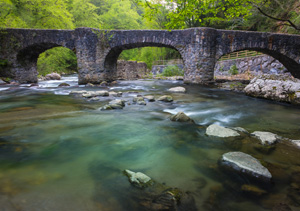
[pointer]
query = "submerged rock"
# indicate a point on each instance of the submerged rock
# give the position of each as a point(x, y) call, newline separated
point(181, 117)
point(178, 89)
point(246, 164)
point(266, 138)
point(219, 131)
point(138, 179)
point(53, 76)
point(63, 84)
point(165, 98)
point(150, 98)
point(253, 190)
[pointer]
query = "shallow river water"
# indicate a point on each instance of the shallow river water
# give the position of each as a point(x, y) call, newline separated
point(60, 152)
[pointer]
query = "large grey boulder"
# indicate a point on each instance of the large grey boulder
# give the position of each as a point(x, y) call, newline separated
point(279, 88)
point(266, 138)
point(181, 117)
point(244, 163)
point(219, 131)
point(53, 76)
point(165, 98)
point(178, 89)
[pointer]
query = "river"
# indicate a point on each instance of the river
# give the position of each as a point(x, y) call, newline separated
point(60, 152)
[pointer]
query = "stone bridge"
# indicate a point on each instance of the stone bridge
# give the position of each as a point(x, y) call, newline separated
point(97, 51)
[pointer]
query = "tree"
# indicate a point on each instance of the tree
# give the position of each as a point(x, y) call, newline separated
point(121, 16)
point(195, 13)
point(85, 14)
point(281, 15)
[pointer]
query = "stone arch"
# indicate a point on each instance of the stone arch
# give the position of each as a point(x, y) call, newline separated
point(110, 61)
point(290, 64)
point(282, 47)
point(27, 60)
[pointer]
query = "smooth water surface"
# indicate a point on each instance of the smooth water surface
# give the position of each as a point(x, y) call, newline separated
point(60, 152)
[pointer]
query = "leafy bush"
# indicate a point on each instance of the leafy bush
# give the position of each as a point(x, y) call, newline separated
point(172, 70)
point(233, 70)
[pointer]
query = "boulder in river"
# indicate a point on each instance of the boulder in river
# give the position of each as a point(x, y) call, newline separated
point(139, 101)
point(89, 94)
point(155, 196)
point(219, 131)
point(165, 98)
point(178, 89)
point(138, 179)
point(53, 76)
point(150, 98)
point(275, 87)
point(246, 164)
point(266, 138)
point(181, 117)
point(117, 104)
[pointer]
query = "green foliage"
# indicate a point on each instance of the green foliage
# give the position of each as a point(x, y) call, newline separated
point(287, 10)
point(59, 59)
point(195, 13)
point(85, 14)
point(120, 15)
point(149, 54)
point(172, 70)
point(233, 70)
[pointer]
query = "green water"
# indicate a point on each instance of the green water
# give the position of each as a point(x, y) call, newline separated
point(59, 152)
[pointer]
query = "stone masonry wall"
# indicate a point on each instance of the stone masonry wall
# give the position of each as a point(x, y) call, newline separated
point(257, 65)
point(130, 70)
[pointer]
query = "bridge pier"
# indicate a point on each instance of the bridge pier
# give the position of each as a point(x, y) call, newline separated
point(198, 69)
point(200, 57)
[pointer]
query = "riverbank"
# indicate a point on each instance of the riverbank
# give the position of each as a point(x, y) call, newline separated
point(280, 88)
